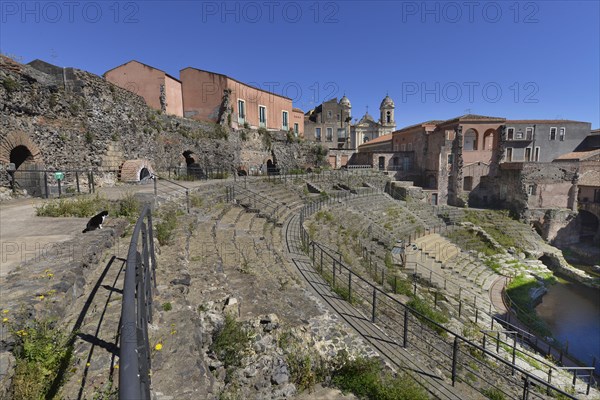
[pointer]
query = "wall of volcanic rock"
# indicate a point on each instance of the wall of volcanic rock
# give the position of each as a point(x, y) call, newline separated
point(72, 119)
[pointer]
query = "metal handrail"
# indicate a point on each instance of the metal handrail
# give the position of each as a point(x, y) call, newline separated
point(136, 312)
point(307, 211)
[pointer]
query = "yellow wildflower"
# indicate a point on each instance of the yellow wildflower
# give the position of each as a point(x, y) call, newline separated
point(41, 297)
point(5, 311)
point(158, 346)
point(4, 319)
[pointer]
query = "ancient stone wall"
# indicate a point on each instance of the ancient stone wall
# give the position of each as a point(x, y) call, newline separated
point(81, 121)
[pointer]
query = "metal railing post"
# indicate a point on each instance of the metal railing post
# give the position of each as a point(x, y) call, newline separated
point(187, 199)
point(45, 184)
point(350, 287)
point(454, 359)
point(374, 304)
point(514, 352)
point(333, 285)
point(526, 388)
point(405, 338)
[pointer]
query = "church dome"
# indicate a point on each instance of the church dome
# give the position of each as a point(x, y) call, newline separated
point(344, 101)
point(387, 103)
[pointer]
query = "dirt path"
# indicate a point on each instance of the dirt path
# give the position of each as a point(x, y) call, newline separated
point(24, 237)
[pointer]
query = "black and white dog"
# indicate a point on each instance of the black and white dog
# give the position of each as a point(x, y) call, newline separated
point(96, 222)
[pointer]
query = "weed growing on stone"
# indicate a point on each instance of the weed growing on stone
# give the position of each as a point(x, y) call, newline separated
point(400, 285)
point(306, 369)
point(493, 265)
point(108, 392)
point(129, 207)
point(428, 314)
point(231, 342)
point(41, 349)
point(165, 227)
point(196, 200)
point(469, 240)
point(493, 393)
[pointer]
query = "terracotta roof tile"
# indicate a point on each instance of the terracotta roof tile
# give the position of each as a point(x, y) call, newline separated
point(579, 155)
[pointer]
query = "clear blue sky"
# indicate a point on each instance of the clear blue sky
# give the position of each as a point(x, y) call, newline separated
point(538, 59)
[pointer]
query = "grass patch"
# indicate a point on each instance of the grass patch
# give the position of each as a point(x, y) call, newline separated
point(324, 215)
point(366, 379)
point(11, 85)
point(81, 207)
point(493, 393)
point(196, 200)
point(497, 224)
point(469, 240)
point(40, 351)
point(400, 285)
point(231, 342)
point(218, 175)
point(167, 306)
point(425, 310)
point(128, 207)
point(493, 265)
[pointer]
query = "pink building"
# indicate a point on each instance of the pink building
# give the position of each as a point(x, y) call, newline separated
point(160, 90)
point(209, 96)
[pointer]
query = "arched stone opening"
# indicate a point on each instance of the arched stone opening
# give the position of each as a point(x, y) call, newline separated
point(193, 168)
point(589, 227)
point(144, 173)
point(19, 155)
point(18, 148)
point(470, 140)
point(133, 170)
point(547, 261)
point(488, 139)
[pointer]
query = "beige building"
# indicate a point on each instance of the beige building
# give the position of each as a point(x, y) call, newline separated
point(367, 129)
point(160, 90)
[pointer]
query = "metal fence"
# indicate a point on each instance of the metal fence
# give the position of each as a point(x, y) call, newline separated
point(466, 305)
point(195, 173)
point(171, 190)
point(55, 183)
point(136, 312)
point(478, 366)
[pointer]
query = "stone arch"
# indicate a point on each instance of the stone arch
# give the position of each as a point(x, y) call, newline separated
point(590, 226)
point(190, 157)
point(488, 139)
point(18, 148)
point(470, 140)
point(133, 170)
